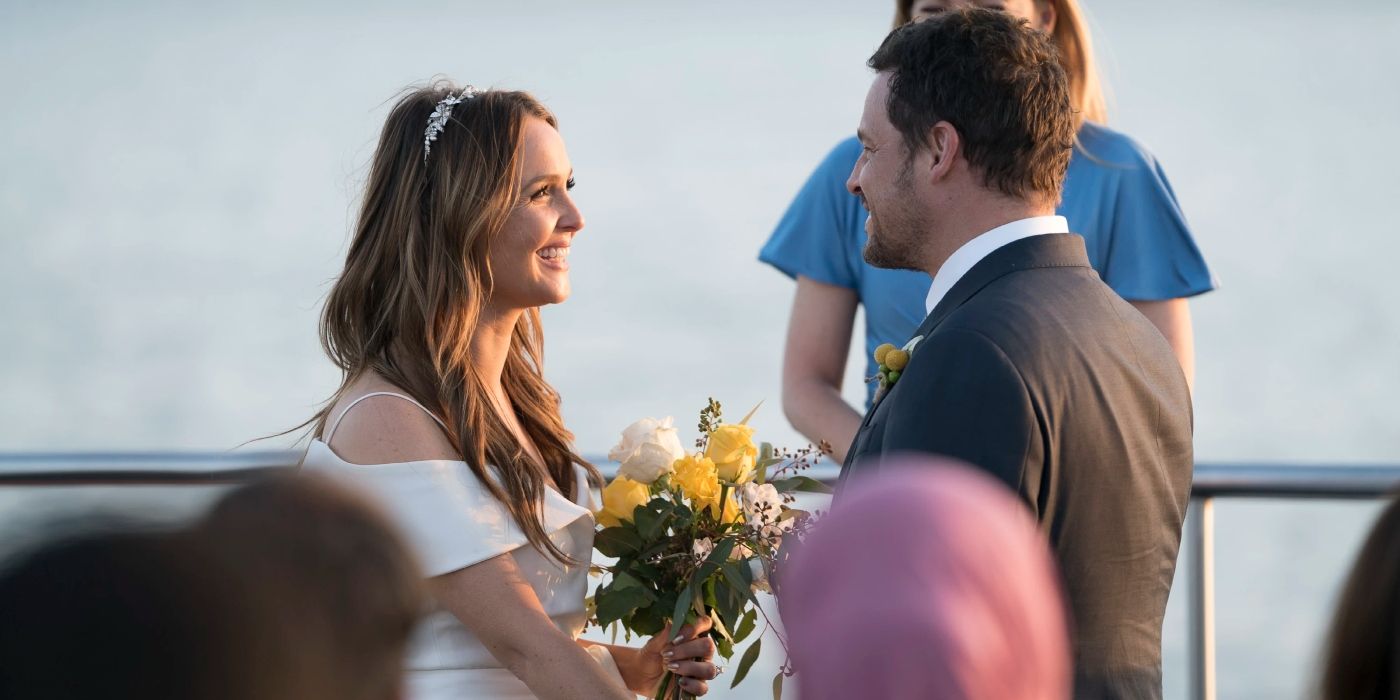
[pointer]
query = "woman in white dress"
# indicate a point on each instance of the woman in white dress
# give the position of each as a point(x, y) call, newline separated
point(444, 412)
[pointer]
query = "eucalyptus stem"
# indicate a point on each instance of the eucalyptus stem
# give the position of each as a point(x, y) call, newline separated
point(664, 691)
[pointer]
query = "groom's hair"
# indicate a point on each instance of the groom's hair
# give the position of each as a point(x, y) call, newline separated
point(998, 82)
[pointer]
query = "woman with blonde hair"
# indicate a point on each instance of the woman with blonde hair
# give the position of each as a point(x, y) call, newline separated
point(444, 413)
point(1116, 196)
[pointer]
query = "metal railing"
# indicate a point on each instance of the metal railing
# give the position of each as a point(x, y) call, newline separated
point(1212, 481)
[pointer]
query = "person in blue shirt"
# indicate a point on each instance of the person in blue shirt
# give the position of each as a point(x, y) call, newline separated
point(1116, 196)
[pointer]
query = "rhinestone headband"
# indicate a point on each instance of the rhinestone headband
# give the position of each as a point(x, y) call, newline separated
point(437, 121)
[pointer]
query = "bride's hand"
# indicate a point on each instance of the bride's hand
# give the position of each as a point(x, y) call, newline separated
point(691, 658)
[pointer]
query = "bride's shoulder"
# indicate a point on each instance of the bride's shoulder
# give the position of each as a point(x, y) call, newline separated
point(377, 425)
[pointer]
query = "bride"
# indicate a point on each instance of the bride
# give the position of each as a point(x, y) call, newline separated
point(444, 413)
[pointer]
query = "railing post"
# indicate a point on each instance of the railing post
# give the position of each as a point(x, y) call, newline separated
point(1202, 549)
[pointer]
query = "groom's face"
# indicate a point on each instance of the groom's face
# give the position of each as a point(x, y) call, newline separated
point(883, 179)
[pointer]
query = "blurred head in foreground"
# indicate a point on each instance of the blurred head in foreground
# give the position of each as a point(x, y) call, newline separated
point(928, 580)
point(289, 589)
point(1362, 658)
point(117, 612)
point(335, 588)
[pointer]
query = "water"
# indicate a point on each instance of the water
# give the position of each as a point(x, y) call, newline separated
point(177, 185)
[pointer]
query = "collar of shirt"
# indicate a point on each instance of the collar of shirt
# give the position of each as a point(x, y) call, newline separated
point(973, 251)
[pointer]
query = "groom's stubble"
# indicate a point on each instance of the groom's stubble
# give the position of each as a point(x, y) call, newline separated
point(897, 235)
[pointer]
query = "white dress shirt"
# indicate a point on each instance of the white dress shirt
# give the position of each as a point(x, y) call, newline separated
point(973, 251)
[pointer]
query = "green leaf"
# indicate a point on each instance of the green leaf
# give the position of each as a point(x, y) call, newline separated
point(683, 603)
point(802, 483)
point(765, 460)
point(642, 570)
point(778, 686)
point(731, 594)
point(624, 580)
point(724, 648)
point(750, 656)
point(652, 518)
point(617, 541)
point(717, 557)
point(613, 605)
point(739, 576)
point(684, 516)
point(650, 620)
point(746, 625)
point(646, 522)
point(719, 628)
point(656, 549)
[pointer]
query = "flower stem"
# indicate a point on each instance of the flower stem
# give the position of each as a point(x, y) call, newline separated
point(669, 682)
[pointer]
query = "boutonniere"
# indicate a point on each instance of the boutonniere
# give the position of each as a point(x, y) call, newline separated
point(892, 361)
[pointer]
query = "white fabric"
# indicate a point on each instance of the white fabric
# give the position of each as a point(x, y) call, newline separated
point(973, 251)
point(453, 522)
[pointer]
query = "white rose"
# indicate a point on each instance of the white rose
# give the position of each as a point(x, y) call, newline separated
point(763, 505)
point(702, 548)
point(647, 450)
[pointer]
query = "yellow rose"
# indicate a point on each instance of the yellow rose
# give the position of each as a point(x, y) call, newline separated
point(697, 478)
point(732, 449)
point(620, 499)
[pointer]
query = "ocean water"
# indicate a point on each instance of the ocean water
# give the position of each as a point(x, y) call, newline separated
point(178, 182)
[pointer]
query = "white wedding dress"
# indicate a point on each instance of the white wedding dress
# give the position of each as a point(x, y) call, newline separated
point(453, 522)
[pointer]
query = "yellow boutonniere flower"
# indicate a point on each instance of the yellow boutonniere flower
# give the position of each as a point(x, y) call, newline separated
point(892, 361)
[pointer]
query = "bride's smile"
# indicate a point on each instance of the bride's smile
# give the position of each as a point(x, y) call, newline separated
point(530, 258)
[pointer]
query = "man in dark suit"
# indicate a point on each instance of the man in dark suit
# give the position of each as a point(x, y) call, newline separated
point(1028, 365)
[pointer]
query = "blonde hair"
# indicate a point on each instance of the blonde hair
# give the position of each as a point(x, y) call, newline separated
point(416, 279)
point(1076, 47)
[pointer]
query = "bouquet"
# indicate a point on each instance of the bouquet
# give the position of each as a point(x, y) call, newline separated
point(697, 533)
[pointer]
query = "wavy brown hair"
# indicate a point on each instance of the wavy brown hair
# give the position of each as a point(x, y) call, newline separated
point(416, 278)
point(1076, 46)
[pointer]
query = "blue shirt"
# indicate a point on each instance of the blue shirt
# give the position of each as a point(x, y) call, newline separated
point(1116, 196)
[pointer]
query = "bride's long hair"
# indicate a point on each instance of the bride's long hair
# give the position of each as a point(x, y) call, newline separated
point(417, 276)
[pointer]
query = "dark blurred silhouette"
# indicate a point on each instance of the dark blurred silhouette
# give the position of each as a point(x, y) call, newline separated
point(118, 613)
point(335, 589)
point(290, 588)
point(1362, 658)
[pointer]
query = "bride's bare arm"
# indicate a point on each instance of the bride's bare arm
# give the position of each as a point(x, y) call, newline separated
point(498, 605)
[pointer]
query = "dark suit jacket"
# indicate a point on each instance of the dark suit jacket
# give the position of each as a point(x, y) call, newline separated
point(1034, 370)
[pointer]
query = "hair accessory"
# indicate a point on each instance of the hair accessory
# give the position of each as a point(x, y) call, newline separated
point(437, 121)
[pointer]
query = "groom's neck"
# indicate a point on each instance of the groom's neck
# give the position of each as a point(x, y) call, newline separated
point(973, 217)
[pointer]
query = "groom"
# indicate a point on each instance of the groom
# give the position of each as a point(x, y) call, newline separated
point(1028, 365)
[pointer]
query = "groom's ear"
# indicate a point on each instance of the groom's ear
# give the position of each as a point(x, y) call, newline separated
point(944, 145)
